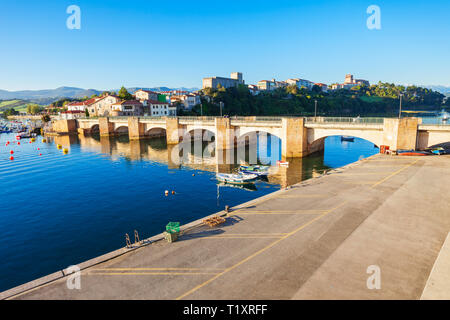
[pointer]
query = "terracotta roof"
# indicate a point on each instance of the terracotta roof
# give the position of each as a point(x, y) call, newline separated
point(156, 102)
point(135, 102)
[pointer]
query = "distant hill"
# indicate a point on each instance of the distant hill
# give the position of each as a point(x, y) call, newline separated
point(49, 94)
point(442, 89)
point(18, 105)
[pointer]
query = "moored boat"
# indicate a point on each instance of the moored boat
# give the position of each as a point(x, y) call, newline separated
point(234, 178)
point(413, 153)
point(258, 170)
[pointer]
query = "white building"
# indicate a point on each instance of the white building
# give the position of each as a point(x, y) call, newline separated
point(214, 82)
point(142, 95)
point(160, 109)
point(127, 108)
point(301, 83)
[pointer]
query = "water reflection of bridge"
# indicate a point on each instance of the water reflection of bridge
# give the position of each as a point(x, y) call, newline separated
point(205, 158)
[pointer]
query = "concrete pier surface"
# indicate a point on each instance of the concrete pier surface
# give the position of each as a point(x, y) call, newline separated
point(321, 239)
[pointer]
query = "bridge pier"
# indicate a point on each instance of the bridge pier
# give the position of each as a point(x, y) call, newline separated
point(136, 129)
point(65, 126)
point(294, 138)
point(400, 134)
point(106, 127)
point(225, 134)
point(172, 131)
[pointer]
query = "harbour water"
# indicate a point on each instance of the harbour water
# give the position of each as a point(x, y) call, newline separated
point(62, 209)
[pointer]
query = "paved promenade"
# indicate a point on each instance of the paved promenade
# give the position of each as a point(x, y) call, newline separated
point(313, 241)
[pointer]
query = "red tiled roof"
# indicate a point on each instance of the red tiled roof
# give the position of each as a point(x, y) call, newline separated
point(135, 102)
point(156, 102)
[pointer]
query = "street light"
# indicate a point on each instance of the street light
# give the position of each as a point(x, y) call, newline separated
point(400, 109)
point(221, 106)
point(315, 109)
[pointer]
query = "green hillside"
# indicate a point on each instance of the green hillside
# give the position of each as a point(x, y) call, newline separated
point(18, 105)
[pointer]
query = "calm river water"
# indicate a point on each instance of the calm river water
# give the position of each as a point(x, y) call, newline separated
point(62, 209)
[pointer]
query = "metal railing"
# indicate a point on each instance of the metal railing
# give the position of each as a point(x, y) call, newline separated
point(346, 120)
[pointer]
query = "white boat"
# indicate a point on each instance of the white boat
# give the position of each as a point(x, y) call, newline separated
point(260, 171)
point(234, 178)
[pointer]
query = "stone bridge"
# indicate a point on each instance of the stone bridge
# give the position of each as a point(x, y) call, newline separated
point(299, 136)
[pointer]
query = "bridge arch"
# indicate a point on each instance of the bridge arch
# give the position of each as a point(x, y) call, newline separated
point(317, 136)
point(156, 132)
point(95, 128)
point(200, 134)
point(121, 130)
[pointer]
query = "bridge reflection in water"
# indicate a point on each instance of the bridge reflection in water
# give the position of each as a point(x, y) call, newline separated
point(204, 158)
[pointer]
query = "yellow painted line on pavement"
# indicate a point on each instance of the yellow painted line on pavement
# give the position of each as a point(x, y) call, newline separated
point(259, 252)
point(151, 273)
point(267, 212)
point(242, 237)
point(155, 269)
point(294, 196)
point(394, 174)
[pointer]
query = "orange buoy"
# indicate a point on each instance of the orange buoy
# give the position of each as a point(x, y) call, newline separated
point(40, 154)
point(11, 158)
point(39, 148)
point(18, 143)
point(12, 152)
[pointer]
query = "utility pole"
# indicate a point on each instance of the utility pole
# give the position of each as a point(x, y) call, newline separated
point(221, 106)
point(400, 110)
point(315, 109)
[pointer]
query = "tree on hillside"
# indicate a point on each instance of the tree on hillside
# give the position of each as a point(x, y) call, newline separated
point(124, 94)
point(33, 108)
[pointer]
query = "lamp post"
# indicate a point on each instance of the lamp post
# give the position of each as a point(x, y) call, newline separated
point(221, 106)
point(400, 109)
point(315, 109)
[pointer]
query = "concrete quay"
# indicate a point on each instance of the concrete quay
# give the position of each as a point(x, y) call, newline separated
point(313, 241)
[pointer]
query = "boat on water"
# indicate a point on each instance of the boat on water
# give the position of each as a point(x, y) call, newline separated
point(236, 178)
point(247, 187)
point(348, 138)
point(258, 170)
point(413, 153)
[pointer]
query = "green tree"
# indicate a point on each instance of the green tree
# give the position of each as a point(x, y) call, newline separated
point(33, 108)
point(86, 112)
point(124, 94)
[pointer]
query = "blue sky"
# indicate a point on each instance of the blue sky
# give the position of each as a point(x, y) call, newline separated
point(177, 43)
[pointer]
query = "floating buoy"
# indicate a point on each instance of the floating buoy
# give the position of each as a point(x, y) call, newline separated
point(173, 192)
point(40, 154)
point(166, 192)
point(11, 158)
point(12, 152)
point(39, 148)
point(18, 143)
point(33, 139)
point(58, 146)
point(193, 174)
point(44, 140)
point(65, 150)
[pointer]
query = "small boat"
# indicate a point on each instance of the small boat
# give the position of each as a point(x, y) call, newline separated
point(258, 170)
point(437, 151)
point(347, 138)
point(234, 178)
point(413, 153)
point(247, 187)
